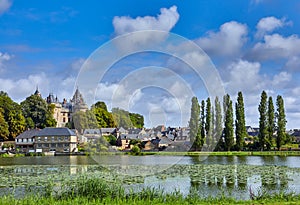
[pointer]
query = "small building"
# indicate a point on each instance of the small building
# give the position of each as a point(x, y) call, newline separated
point(58, 139)
point(25, 141)
point(92, 135)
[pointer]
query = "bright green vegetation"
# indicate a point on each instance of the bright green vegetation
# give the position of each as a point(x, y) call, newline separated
point(233, 153)
point(96, 191)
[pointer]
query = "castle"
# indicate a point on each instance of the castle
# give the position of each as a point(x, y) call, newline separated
point(63, 110)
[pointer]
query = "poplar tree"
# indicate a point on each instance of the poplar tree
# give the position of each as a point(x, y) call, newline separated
point(240, 122)
point(281, 122)
point(202, 122)
point(263, 128)
point(228, 130)
point(218, 129)
point(271, 123)
point(208, 123)
point(194, 120)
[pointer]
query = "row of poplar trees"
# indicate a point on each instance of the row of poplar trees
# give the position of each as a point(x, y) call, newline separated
point(214, 129)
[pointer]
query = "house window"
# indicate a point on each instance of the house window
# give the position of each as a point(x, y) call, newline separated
point(39, 145)
point(46, 139)
point(39, 139)
point(46, 145)
point(52, 139)
point(53, 145)
point(29, 140)
point(66, 138)
point(66, 145)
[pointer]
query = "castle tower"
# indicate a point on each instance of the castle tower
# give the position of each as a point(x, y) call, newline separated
point(78, 103)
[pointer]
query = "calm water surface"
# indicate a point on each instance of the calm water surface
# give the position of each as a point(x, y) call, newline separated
point(209, 176)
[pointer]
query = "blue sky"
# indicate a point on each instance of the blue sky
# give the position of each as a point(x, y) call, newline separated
point(255, 46)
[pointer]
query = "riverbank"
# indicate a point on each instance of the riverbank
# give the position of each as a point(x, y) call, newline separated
point(162, 153)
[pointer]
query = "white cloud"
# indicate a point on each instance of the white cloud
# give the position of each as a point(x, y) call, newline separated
point(281, 79)
point(5, 5)
point(227, 41)
point(276, 46)
point(244, 75)
point(269, 24)
point(165, 22)
point(21, 88)
point(3, 58)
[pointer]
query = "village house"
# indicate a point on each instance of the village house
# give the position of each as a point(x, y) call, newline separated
point(25, 141)
point(55, 139)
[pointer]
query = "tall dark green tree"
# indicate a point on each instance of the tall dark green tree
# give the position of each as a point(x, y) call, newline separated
point(208, 123)
point(281, 123)
point(37, 112)
point(271, 123)
point(228, 128)
point(240, 122)
point(263, 123)
point(4, 132)
point(218, 128)
point(13, 116)
point(194, 119)
point(202, 123)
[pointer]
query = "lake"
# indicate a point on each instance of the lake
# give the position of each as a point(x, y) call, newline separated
point(235, 176)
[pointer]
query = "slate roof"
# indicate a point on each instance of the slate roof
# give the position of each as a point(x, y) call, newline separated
point(108, 130)
point(56, 131)
point(92, 131)
point(28, 134)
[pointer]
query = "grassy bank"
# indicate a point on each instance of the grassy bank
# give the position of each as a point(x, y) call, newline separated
point(242, 153)
point(85, 191)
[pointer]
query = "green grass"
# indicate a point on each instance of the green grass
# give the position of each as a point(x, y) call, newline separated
point(232, 153)
point(95, 191)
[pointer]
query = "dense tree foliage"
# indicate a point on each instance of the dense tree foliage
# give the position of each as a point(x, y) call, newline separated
point(194, 119)
point(103, 117)
point(4, 132)
point(137, 120)
point(263, 128)
point(281, 122)
point(12, 115)
point(228, 128)
point(218, 125)
point(271, 124)
point(208, 123)
point(126, 119)
point(84, 120)
point(37, 112)
point(240, 122)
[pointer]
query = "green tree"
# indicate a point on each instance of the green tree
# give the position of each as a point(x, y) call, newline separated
point(208, 123)
point(137, 120)
point(228, 130)
point(84, 120)
point(12, 114)
point(218, 128)
point(36, 108)
point(271, 123)
point(194, 119)
point(263, 128)
point(240, 122)
point(281, 123)
point(122, 118)
point(103, 117)
point(4, 132)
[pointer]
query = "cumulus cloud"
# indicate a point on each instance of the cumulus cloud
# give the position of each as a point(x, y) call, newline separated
point(3, 58)
point(164, 21)
point(269, 24)
point(227, 41)
point(276, 46)
point(281, 79)
point(244, 75)
point(21, 88)
point(5, 5)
